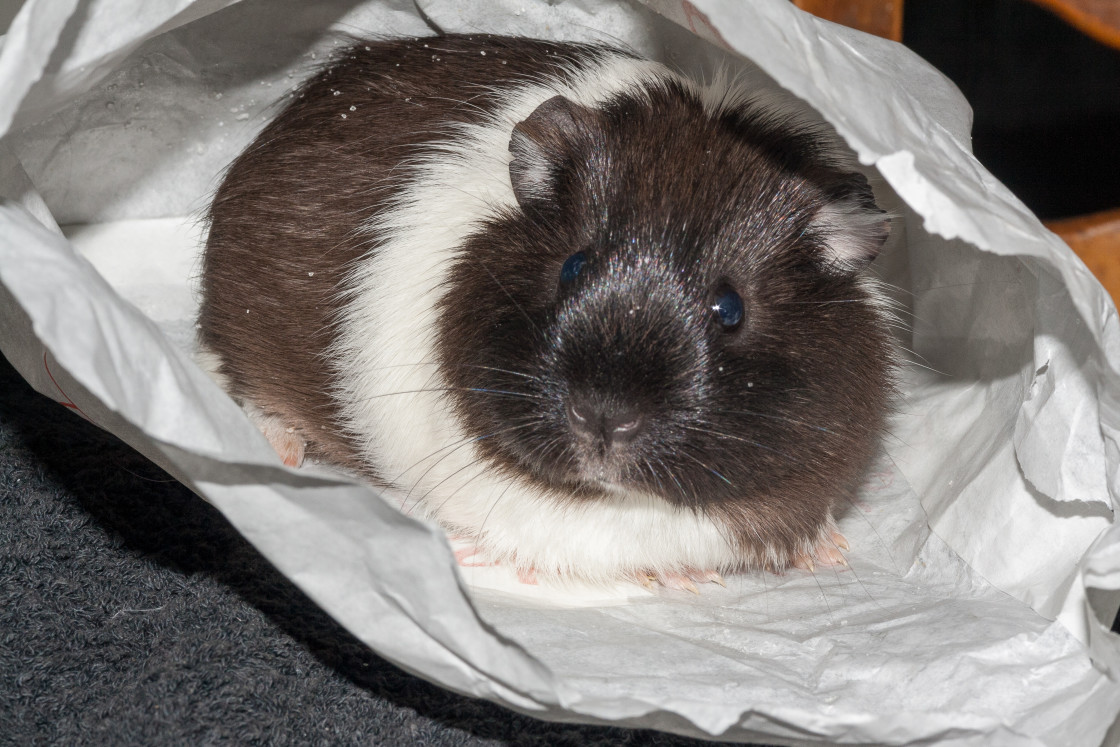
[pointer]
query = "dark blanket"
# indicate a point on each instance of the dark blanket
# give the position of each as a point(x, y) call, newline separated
point(131, 612)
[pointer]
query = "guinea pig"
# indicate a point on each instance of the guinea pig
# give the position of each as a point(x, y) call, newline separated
point(601, 320)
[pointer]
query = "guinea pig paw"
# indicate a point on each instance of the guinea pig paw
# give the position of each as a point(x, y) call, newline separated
point(710, 577)
point(804, 561)
point(527, 576)
point(284, 438)
point(827, 552)
point(468, 554)
point(470, 557)
point(681, 580)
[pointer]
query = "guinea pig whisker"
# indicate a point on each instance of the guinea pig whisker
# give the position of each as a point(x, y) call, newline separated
point(821, 429)
point(417, 364)
point(931, 369)
point(672, 476)
point(435, 511)
point(455, 365)
point(569, 466)
point(885, 285)
point(545, 446)
point(481, 471)
point(450, 449)
point(824, 596)
point(501, 391)
point(915, 358)
point(882, 542)
point(452, 446)
point(511, 298)
point(784, 419)
point(723, 529)
point(894, 305)
point(859, 580)
point(889, 308)
point(692, 488)
point(721, 434)
point(478, 390)
point(717, 474)
point(423, 498)
point(714, 472)
point(653, 474)
point(499, 370)
point(497, 500)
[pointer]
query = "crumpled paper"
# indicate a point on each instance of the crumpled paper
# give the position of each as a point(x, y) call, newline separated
point(985, 563)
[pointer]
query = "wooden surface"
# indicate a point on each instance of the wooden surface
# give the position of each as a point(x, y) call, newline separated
point(1099, 19)
point(879, 17)
point(1096, 239)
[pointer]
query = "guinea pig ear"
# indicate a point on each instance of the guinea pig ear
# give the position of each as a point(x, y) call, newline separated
point(542, 145)
point(852, 227)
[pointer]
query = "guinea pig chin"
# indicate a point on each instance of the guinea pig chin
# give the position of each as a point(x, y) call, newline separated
point(607, 468)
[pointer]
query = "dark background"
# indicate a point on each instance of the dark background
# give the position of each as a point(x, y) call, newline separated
point(1046, 99)
point(131, 613)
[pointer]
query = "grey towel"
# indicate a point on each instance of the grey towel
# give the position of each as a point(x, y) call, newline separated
point(132, 613)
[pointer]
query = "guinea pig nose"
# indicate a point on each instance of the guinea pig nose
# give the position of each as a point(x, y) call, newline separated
point(621, 426)
point(582, 416)
point(612, 425)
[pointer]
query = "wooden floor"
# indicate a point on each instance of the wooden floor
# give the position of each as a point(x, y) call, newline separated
point(1096, 239)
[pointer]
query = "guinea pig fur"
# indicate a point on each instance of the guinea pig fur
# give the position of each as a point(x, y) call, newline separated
point(599, 319)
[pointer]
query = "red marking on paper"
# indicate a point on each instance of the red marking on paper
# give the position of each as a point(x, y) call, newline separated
point(882, 479)
point(699, 24)
point(65, 401)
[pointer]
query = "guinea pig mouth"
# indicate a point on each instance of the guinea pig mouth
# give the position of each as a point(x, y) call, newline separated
point(617, 473)
point(606, 471)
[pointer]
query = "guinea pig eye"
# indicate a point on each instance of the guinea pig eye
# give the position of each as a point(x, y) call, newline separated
point(728, 308)
point(572, 267)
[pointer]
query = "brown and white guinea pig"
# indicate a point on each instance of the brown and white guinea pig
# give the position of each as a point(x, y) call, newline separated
point(598, 319)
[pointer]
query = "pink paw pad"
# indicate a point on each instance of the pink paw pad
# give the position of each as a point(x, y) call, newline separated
point(527, 576)
point(470, 557)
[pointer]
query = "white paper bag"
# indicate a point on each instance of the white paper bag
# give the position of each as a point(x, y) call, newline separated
point(118, 117)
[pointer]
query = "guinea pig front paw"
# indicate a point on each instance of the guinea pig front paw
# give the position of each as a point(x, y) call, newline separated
point(826, 552)
point(467, 553)
point(285, 439)
point(470, 555)
point(682, 580)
